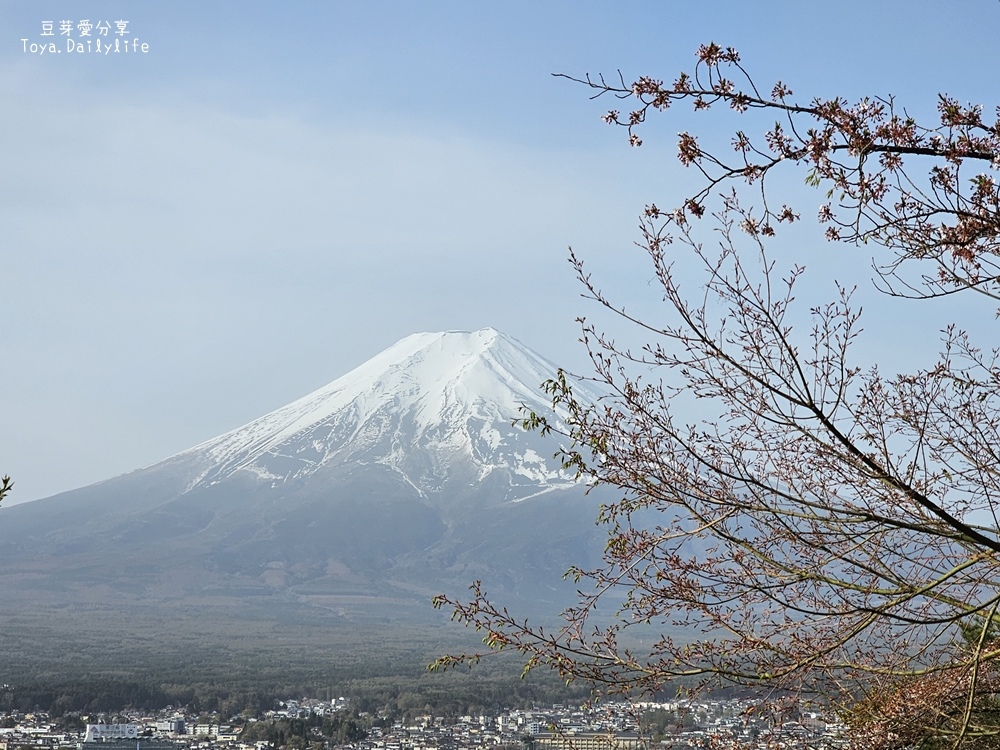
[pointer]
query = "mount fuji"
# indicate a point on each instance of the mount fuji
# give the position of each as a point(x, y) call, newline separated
point(358, 502)
point(436, 409)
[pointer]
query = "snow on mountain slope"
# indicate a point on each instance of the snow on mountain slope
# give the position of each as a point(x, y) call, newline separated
point(434, 407)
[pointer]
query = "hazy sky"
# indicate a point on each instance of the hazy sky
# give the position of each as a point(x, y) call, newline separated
point(194, 235)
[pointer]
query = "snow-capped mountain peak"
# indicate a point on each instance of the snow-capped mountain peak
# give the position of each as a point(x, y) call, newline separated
point(436, 407)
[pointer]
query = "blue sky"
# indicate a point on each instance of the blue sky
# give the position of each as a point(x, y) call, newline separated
point(274, 192)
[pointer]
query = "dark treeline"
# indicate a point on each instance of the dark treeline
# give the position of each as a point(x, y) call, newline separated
point(300, 733)
point(107, 694)
point(403, 696)
point(384, 673)
point(465, 695)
